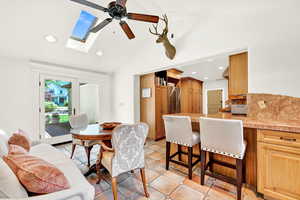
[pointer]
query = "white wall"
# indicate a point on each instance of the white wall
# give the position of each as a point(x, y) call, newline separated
point(16, 101)
point(124, 99)
point(20, 94)
point(268, 29)
point(214, 85)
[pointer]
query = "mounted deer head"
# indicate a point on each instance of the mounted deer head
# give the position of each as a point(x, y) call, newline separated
point(163, 38)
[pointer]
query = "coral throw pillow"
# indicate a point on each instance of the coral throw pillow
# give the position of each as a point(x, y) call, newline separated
point(36, 175)
point(16, 149)
point(20, 138)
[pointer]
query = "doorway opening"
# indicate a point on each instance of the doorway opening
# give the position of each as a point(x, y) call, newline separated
point(57, 108)
point(214, 101)
point(60, 99)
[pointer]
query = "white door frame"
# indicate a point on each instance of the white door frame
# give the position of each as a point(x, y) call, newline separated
point(75, 103)
point(102, 80)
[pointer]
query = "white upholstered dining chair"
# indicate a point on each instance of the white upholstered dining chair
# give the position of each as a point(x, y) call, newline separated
point(80, 122)
point(179, 131)
point(126, 154)
point(225, 137)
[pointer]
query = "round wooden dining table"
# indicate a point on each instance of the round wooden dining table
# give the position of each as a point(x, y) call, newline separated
point(94, 133)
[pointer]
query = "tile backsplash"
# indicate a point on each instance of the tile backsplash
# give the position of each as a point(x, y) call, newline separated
point(273, 107)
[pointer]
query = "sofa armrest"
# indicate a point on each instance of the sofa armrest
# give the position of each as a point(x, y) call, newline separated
point(70, 194)
point(61, 195)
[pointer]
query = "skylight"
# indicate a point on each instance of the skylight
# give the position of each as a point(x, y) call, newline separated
point(85, 22)
point(81, 39)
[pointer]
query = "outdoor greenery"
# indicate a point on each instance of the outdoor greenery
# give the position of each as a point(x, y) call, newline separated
point(50, 106)
point(57, 118)
point(64, 118)
point(57, 102)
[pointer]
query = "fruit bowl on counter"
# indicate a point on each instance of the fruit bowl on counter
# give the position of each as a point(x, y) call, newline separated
point(109, 125)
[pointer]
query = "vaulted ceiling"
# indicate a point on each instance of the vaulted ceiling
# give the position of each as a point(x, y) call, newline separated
point(25, 23)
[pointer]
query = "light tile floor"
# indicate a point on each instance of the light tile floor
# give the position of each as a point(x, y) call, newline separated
point(162, 184)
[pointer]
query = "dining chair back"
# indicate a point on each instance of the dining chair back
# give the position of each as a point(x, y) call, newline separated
point(128, 142)
point(126, 154)
point(79, 121)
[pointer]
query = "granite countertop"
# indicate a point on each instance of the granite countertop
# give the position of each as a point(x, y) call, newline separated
point(287, 126)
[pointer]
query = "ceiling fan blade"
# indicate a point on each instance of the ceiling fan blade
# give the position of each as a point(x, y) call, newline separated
point(142, 17)
point(127, 30)
point(90, 4)
point(121, 3)
point(101, 25)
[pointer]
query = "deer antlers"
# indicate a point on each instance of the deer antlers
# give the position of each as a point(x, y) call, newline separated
point(165, 30)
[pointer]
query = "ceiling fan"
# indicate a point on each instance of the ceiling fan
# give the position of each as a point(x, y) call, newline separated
point(117, 10)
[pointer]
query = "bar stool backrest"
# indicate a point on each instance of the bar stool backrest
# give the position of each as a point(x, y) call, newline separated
point(179, 130)
point(222, 136)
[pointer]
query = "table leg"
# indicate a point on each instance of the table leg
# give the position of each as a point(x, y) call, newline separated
point(96, 168)
point(98, 165)
point(91, 170)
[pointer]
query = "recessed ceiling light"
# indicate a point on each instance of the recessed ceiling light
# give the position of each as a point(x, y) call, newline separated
point(205, 78)
point(210, 60)
point(50, 38)
point(220, 68)
point(194, 72)
point(99, 53)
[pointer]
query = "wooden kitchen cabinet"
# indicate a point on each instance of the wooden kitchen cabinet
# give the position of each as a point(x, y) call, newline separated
point(154, 107)
point(161, 108)
point(191, 95)
point(279, 165)
point(238, 74)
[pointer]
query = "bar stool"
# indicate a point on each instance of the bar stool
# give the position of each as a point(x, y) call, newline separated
point(223, 137)
point(179, 131)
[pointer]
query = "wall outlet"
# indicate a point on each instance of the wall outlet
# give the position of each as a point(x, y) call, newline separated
point(262, 104)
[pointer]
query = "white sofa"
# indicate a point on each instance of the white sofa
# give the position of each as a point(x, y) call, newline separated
point(10, 188)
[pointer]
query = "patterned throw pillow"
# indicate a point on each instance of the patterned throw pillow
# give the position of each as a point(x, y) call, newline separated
point(16, 149)
point(36, 175)
point(20, 138)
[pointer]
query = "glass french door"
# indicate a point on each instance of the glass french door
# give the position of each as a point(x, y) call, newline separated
point(57, 104)
point(89, 97)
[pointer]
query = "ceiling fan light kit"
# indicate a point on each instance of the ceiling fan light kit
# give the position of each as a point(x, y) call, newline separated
point(117, 11)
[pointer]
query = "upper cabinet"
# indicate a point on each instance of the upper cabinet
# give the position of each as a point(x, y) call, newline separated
point(238, 74)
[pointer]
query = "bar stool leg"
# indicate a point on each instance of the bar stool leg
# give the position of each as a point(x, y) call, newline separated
point(199, 146)
point(179, 152)
point(211, 158)
point(203, 165)
point(239, 168)
point(168, 148)
point(190, 161)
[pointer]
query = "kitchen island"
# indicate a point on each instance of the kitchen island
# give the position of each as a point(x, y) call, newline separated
point(275, 125)
point(273, 153)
